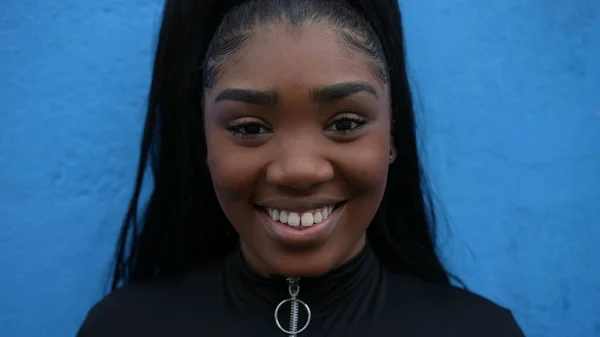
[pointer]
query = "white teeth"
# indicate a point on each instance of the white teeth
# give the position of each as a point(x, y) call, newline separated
point(283, 217)
point(305, 219)
point(294, 219)
point(318, 217)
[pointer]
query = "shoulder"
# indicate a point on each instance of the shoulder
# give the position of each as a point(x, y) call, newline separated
point(448, 309)
point(150, 308)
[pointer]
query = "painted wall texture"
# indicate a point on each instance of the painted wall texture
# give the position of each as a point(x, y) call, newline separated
point(508, 90)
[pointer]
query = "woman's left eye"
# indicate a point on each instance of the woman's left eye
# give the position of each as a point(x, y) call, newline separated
point(347, 124)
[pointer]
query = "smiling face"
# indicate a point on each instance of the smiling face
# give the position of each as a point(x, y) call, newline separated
point(298, 138)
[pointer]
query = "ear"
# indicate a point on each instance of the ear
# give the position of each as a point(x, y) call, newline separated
point(393, 152)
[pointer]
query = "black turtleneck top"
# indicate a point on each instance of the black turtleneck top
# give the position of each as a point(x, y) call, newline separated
point(361, 298)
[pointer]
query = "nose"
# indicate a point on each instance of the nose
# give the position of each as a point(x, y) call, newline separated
point(300, 167)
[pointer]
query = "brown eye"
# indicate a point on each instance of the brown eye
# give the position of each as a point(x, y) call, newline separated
point(248, 129)
point(347, 124)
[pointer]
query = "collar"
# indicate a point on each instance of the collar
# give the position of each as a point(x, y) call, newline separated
point(248, 291)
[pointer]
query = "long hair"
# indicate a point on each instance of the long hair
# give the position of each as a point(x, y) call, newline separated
point(182, 225)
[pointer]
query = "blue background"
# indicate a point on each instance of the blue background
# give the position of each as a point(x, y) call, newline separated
point(508, 90)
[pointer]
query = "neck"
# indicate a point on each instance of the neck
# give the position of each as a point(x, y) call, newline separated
point(322, 293)
point(318, 269)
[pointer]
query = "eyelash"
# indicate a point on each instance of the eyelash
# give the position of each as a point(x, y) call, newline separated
point(236, 128)
point(360, 123)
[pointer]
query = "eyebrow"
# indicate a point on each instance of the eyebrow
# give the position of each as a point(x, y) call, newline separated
point(248, 96)
point(318, 95)
point(341, 90)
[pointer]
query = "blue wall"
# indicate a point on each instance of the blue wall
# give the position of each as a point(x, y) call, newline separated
point(510, 96)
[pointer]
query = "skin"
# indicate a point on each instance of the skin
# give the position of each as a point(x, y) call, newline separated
point(292, 149)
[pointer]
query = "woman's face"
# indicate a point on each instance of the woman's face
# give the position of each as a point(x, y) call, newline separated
point(298, 134)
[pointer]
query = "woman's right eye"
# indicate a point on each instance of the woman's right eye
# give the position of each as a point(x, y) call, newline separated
point(248, 129)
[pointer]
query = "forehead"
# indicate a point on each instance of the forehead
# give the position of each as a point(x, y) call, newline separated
point(310, 55)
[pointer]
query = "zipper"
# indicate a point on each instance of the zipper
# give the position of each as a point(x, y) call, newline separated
point(293, 289)
point(295, 306)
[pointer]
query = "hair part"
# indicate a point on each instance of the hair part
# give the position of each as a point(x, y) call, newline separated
point(351, 29)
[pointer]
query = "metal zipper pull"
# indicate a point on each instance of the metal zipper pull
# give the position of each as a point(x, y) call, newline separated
point(293, 289)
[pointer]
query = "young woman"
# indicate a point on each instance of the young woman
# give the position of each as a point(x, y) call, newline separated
point(288, 197)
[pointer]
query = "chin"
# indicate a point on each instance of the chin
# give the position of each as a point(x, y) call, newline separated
point(308, 263)
point(304, 269)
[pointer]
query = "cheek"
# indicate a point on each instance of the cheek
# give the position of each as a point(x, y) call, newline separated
point(233, 172)
point(368, 160)
point(366, 167)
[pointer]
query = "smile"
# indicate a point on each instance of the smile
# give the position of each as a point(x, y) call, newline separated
point(301, 219)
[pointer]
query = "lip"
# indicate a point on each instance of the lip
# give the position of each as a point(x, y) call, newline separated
point(290, 236)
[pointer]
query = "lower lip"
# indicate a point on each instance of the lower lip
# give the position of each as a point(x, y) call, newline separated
point(301, 236)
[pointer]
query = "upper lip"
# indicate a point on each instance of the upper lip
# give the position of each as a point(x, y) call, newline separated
point(300, 205)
